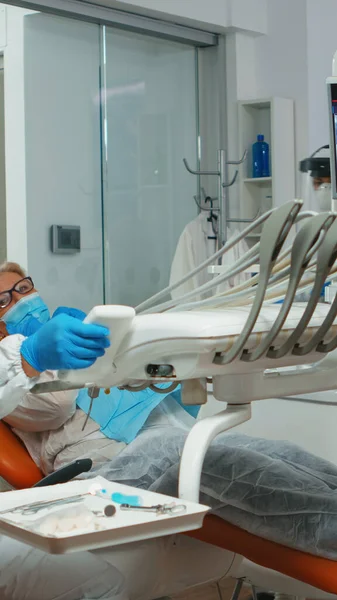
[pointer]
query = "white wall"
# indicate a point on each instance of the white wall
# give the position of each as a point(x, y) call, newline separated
point(213, 15)
point(281, 65)
point(311, 426)
point(272, 65)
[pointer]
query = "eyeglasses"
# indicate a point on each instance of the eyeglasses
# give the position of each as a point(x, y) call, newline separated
point(24, 286)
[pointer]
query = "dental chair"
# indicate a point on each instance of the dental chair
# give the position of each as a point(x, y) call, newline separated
point(248, 345)
point(246, 557)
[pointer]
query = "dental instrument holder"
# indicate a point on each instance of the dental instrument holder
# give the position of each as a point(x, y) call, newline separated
point(167, 517)
point(223, 184)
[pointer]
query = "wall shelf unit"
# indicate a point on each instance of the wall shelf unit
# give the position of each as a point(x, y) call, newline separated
point(258, 180)
point(274, 118)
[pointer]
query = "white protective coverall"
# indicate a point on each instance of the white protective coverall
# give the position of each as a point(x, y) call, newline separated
point(27, 573)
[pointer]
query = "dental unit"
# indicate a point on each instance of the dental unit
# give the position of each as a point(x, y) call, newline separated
point(245, 341)
point(250, 346)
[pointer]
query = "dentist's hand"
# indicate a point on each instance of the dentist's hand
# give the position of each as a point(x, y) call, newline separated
point(65, 343)
point(72, 312)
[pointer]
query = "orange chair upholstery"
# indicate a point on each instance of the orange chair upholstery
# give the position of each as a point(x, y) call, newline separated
point(317, 571)
point(16, 465)
point(20, 471)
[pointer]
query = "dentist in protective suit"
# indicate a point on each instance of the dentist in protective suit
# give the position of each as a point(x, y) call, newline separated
point(32, 347)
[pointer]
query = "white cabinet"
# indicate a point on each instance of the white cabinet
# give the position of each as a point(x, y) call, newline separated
point(274, 118)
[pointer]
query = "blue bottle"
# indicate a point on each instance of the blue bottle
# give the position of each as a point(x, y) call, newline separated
point(261, 158)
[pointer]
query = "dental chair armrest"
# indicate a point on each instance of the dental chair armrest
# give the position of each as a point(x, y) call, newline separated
point(66, 473)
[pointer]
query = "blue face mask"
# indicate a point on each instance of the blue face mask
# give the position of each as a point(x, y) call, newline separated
point(27, 315)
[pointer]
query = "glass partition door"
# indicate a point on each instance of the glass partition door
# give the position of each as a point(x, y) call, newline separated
point(149, 124)
point(101, 101)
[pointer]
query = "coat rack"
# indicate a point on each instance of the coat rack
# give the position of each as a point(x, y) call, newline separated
point(223, 184)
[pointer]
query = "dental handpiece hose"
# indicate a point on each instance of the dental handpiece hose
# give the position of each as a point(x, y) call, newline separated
point(93, 392)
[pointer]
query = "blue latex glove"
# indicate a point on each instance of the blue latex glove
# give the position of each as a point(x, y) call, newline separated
point(72, 312)
point(65, 343)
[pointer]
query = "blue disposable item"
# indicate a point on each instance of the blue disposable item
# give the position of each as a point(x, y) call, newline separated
point(125, 499)
point(27, 315)
point(65, 343)
point(121, 414)
point(72, 312)
point(261, 166)
point(120, 498)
